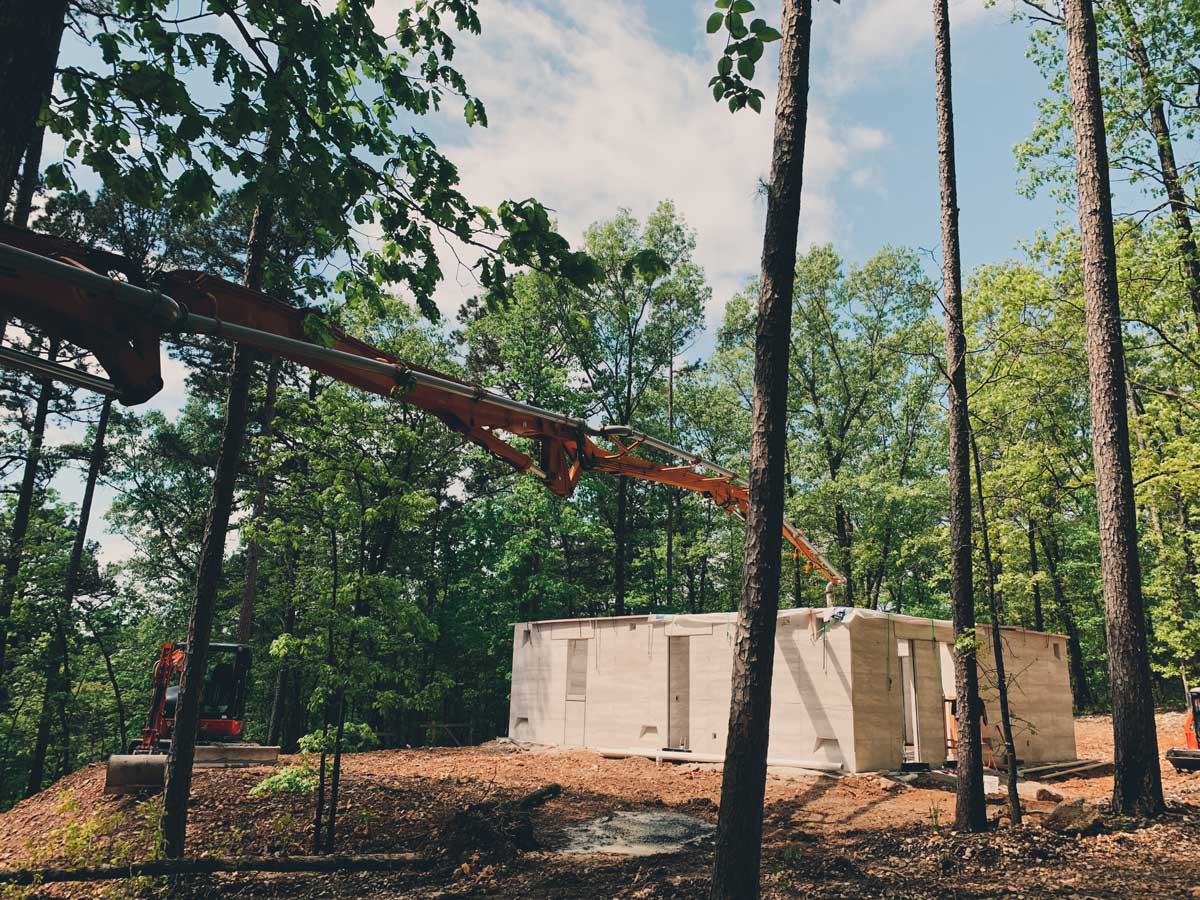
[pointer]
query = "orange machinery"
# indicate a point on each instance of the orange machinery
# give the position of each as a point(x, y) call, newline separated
point(65, 289)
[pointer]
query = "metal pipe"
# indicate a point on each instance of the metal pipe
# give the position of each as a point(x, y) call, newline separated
point(38, 366)
point(662, 446)
point(281, 344)
point(159, 307)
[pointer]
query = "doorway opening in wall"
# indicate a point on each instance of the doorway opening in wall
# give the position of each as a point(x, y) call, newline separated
point(575, 718)
point(908, 702)
point(679, 693)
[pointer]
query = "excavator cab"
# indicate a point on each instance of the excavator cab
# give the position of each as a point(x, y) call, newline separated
point(1188, 759)
point(223, 704)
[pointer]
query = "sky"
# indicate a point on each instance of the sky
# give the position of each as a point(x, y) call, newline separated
point(595, 106)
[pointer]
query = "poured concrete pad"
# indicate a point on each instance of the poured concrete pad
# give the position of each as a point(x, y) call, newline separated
point(638, 833)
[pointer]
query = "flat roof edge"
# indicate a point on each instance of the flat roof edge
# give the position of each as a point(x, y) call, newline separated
point(783, 614)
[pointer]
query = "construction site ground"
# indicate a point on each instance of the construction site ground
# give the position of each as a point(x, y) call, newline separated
point(824, 837)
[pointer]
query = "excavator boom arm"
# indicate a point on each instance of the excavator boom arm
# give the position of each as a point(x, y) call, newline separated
point(53, 284)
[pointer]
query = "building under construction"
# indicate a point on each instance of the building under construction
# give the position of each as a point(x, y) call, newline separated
point(854, 690)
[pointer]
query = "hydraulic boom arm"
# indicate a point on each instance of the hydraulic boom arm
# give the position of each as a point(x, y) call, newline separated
point(54, 285)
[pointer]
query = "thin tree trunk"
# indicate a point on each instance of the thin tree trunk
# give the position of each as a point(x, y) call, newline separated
point(95, 463)
point(845, 542)
point(1166, 155)
point(23, 205)
point(318, 842)
point(1039, 618)
point(21, 515)
point(283, 678)
point(250, 582)
point(336, 776)
point(30, 32)
point(57, 671)
point(212, 558)
point(1137, 782)
point(1010, 746)
point(739, 825)
point(619, 538)
point(671, 493)
point(970, 813)
point(1079, 683)
point(41, 742)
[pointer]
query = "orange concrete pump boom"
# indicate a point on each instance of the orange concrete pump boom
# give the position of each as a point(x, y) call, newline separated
point(63, 288)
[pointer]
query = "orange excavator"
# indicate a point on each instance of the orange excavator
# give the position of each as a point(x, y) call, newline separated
point(221, 730)
point(1187, 758)
point(86, 297)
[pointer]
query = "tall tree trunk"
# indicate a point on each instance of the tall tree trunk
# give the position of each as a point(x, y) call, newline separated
point(970, 813)
point(21, 515)
point(1039, 618)
point(1137, 782)
point(30, 31)
point(1176, 195)
point(1010, 746)
point(212, 558)
point(739, 825)
point(250, 581)
point(1080, 689)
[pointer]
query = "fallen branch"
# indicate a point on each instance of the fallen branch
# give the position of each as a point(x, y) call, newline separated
point(207, 865)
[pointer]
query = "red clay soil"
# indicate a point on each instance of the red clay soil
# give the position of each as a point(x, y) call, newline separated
point(849, 837)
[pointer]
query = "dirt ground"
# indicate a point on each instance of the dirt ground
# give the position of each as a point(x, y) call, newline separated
point(824, 837)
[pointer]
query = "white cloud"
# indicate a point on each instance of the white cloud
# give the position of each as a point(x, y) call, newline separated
point(862, 43)
point(590, 112)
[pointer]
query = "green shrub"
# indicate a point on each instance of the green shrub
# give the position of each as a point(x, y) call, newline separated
point(289, 780)
point(357, 736)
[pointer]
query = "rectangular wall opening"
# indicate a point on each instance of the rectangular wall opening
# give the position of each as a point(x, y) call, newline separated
point(679, 696)
point(577, 669)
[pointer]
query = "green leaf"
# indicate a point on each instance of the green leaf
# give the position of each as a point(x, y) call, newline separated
point(723, 4)
point(743, 6)
point(318, 330)
point(714, 22)
point(755, 51)
point(769, 34)
point(754, 103)
point(745, 67)
point(718, 90)
point(724, 66)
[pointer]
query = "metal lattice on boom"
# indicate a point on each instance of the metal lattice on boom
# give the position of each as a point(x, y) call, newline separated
point(62, 288)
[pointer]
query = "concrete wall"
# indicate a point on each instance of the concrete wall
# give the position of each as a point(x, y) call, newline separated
point(1039, 694)
point(836, 692)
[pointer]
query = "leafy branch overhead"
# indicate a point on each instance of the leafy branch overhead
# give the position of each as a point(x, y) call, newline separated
point(744, 46)
point(338, 97)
